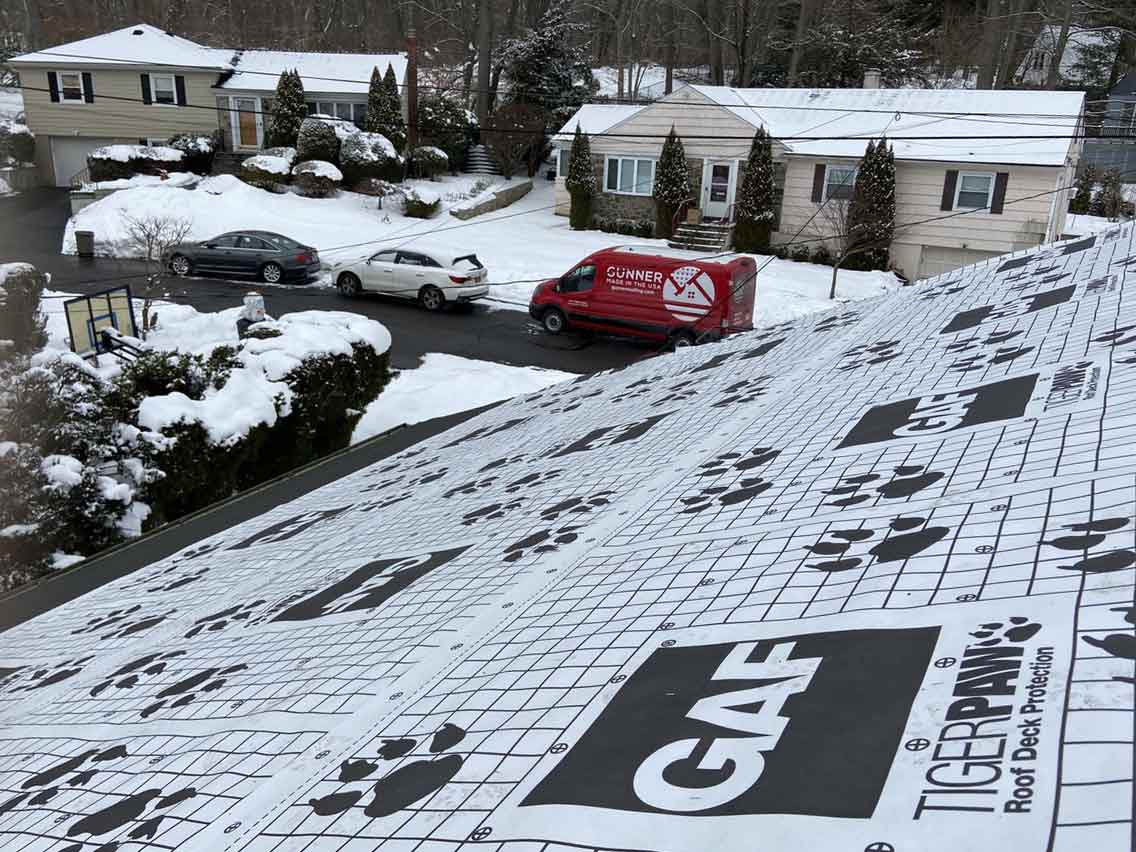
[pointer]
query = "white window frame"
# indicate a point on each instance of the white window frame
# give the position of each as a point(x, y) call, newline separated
point(357, 108)
point(989, 191)
point(82, 99)
point(824, 196)
point(563, 156)
point(622, 158)
point(154, 90)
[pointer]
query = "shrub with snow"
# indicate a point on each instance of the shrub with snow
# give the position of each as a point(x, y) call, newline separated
point(422, 203)
point(198, 150)
point(267, 171)
point(17, 143)
point(316, 178)
point(113, 162)
point(369, 155)
point(21, 320)
point(429, 161)
point(317, 140)
point(444, 122)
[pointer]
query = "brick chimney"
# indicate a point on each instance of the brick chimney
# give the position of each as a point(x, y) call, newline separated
point(871, 78)
point(411, 87)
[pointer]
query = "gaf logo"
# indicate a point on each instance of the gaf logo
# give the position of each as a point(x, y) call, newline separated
point(749, 728)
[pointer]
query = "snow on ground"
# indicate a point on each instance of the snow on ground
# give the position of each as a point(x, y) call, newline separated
point(651, 80)
point(1080, 224)
point(446, 384)
point(180, 179)
point(521, 245)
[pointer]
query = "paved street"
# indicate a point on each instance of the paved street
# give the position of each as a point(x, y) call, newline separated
point(32, 231)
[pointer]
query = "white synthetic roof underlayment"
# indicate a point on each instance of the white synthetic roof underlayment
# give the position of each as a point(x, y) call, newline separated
point(841, 584)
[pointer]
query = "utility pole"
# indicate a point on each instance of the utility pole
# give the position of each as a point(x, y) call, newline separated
point(411, 81)
point(484, 55)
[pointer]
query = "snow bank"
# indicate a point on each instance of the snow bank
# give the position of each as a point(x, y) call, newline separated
point(8, 269)
point(446, 384)
point(62, 471)
point(268, 163)
point(174, 179)
point(1081, 224)
point(126, 153)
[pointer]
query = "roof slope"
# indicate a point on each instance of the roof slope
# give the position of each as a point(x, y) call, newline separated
point(141, 43)
point(331, 73)
point(597, 118)
point(795, 115)
point(739, 591)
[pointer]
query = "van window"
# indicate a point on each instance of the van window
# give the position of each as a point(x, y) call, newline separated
point(579, 280)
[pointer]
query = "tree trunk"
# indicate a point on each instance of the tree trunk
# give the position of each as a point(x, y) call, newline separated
point(1054, 71)
point(991, 42)
point(835, 269)
point(798, 39)
point(484, 60)
point(671, 25)
point(714, 30)
point(1007, 64)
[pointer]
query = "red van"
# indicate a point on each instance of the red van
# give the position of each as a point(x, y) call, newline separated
point(658, 293)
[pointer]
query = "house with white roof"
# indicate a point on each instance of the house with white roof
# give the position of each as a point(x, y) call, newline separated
point(969, 184)
point(140, 84)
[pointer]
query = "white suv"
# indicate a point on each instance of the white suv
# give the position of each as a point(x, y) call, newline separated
point(432, 275)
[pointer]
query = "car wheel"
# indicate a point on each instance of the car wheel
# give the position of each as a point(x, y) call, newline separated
point(181, 265)
point(349, 285)
point(272, 273)
point(432, 298)
point(682, 338)
point(553, 321)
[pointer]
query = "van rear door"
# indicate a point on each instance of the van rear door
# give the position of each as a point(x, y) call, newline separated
point(743, 288)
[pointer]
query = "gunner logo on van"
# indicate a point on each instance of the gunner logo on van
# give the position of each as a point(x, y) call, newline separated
point(688, 293)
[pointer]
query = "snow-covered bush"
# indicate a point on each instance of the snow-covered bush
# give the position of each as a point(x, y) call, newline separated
point(17, 143)
point(672, 185)
point(317, 140)
point(21, 320)
point(446, 124)
point(422, 203)
point(267, 172)
point(369, 155)
point(375, 187)
point(316, 178)
point(429, 161)
point(283, 152)
point(198, 149)
point(113, 162)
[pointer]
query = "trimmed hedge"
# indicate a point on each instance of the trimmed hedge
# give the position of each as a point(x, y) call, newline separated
point(105, 163)
point(198, 150)
point(429, 161)
point(316, 179)
point(364, 156)
point(419, 208)
point(627, 227)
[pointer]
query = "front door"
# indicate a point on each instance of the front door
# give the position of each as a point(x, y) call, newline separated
point(246, 121)
point(718, 190)
point(379, 272)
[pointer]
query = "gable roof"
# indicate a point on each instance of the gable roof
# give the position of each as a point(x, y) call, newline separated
point(869, 113)
point(141, 44)
point(454, 637)
point(597, 118)
point(332, 73)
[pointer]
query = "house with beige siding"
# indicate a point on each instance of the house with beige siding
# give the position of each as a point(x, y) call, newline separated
point(978, 173)
point(140, 84)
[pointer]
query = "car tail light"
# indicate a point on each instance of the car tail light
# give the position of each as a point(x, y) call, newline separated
point(458, 279)
point(301, 258)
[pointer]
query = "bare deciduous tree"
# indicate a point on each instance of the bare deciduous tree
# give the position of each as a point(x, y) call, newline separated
point(150, 238)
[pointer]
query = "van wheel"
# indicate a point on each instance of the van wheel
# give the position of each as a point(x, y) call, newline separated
point(553, 321)
point(681, 339)
point(432, 298)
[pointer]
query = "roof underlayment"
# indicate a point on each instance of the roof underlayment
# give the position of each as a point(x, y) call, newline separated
point(858, 582)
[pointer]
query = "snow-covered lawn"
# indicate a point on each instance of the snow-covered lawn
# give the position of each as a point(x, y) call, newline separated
point(521, 245)
point(1081, 224)
point(445, 384)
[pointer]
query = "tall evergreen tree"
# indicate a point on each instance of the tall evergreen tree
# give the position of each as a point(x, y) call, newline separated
point(288, 110)
point(376, 102)
point(870, 223)
point(581, 181)
point(756, 198)
point(672, 184)
point(396, 123)
point(1083, 195)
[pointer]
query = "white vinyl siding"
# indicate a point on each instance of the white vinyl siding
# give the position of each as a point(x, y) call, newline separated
point(838, 181)
point(974, 190)
point(70, 87)
point(629, 176)
point(163, 90)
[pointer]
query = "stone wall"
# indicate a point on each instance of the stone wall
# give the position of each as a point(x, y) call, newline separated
point(495, 201)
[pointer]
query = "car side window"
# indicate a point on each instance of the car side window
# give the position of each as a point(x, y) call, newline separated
point(411, 259)
point(384, 257)
point(247, 242)
point(224, 241)
point(579, 280)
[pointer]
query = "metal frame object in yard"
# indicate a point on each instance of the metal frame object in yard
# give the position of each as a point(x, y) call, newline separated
point(87, 316)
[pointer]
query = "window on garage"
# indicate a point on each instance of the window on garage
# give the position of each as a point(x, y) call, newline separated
point(70, 86)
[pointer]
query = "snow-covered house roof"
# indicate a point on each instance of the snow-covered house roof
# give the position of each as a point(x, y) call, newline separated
point(141, 44)
point(974, 126)
point(1039, 57)
point(596, 118)
point(768, 588)
point(321, 73)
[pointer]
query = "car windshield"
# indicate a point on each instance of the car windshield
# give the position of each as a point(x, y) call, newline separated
point(467, 261)
point(280, 242)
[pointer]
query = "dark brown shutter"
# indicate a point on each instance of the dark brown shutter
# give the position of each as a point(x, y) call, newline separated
point(88, 88)
point(1000, 181)
point(179, 86)
point(818, 182)
point(949, 190)
point(53, 86)
point(146, 99)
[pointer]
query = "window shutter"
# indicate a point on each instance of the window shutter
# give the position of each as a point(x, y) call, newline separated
point(818, 182)
point(949, 190)
point(53, 86)
point(88, 88)
point(179, 86)
point(1000, 181)
point(146, 99)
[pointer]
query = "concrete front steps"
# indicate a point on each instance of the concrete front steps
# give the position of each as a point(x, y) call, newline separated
point(704, 236)
point(478, 161)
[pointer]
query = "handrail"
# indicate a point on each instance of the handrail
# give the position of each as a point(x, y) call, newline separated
point(678, 210)
point(81, 177)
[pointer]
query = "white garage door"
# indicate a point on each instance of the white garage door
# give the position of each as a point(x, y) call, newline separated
point(69, 155)
point(936, 260)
